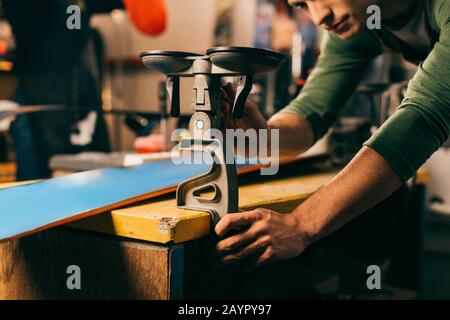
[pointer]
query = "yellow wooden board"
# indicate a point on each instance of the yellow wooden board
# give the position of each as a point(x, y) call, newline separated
point(161, 221)
point(16, 184)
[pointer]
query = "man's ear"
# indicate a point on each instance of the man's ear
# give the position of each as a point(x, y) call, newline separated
point(149, 16)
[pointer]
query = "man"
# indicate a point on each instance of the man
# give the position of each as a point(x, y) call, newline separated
point(420, 30)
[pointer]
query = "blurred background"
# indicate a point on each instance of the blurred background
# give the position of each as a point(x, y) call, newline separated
point(193, 26)
point(97, 68)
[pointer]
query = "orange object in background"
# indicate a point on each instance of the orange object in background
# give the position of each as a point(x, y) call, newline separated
point(3, 47)
point(149, 16)
point(149, 144)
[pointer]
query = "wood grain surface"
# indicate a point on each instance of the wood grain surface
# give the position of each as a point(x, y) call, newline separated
point(161, 221)
point(35, 267)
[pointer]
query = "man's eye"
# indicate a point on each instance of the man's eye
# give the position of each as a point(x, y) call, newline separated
point(301, 5)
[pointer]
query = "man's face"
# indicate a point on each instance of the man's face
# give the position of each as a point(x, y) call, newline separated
point(344, 17)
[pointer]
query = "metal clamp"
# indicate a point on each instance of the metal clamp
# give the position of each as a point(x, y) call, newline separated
point(216, 191)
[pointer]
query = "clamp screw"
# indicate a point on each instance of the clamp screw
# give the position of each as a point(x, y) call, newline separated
point(199, 124)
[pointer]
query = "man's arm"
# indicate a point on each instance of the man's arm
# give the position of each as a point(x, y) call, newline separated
point(364, 182)
point(337, 73)
point(422, 123)
point(306, 119)
point(390, 157)
point(333, 80)
point(367, 180)
point(303, 122)
point(295, 134)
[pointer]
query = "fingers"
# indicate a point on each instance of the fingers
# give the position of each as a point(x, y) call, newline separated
point(240, 243)
point(230, 90)
point(224, 97)
point(229, 244)
point(226, 105)
point(266, 257)
point(234, 242)
point(258, 246)
point(227, 109)
point(255, 238)
point(233, 221)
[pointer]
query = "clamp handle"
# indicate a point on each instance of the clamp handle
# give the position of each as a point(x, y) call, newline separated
point(173, 91)
point(173, 64)
point(243, 89)
point(221, 179)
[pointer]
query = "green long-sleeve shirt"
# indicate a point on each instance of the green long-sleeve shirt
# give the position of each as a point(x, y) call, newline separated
point(422, 122)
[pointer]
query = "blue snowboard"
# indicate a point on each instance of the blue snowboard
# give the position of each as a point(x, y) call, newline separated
point(30, 208)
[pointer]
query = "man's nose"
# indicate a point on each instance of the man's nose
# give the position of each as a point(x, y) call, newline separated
point(320, 14)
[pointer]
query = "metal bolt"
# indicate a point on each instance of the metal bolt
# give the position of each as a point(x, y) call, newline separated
point(199, 124)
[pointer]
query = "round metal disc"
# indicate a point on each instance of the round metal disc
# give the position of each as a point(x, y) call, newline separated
point(246, 60)
point(179, 54)
point(168, 62)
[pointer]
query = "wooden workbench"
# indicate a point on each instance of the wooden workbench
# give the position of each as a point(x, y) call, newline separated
point(153, 250)
point(150, 250)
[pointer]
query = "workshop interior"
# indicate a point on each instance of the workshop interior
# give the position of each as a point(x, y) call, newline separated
point(100, 102)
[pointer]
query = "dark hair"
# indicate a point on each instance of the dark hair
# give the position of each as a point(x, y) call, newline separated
point(283, 5)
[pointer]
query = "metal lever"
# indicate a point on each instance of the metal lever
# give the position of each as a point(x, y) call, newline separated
point(221, 180)
point(244, 87)
point(173, 91)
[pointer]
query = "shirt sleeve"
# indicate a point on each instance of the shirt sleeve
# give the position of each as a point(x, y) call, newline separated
point(422, 123)
point(337, 73)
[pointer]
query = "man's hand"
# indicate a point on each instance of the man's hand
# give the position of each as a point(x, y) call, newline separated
point(258, 237)
point(262, 236)
point(295, 133)
point(252, 119)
